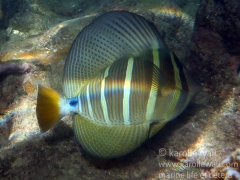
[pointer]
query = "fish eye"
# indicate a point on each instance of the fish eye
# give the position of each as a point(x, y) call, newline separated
point(73, 102)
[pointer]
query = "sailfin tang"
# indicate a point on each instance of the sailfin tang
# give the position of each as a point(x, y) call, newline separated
point(48, 107)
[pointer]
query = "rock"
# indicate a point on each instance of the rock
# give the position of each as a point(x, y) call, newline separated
point(214, 63)
point(222, 17)
point(25, 24)
point(228, 168)
point(66, 8)
point(47, 47)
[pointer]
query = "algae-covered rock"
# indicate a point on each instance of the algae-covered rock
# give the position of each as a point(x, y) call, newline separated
point(228, 168)
point(223, 17)
point(26, 24)
point(67, 8)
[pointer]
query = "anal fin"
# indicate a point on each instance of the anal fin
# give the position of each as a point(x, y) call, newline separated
point(155, 127)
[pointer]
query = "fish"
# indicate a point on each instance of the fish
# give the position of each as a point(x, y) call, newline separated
point(121, 83)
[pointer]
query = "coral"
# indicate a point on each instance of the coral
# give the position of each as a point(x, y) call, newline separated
point(13, 68)
point(229, 168)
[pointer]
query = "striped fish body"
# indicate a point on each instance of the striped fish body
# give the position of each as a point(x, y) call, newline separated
point(123, 83)
point(113, 108)
point(128, 102)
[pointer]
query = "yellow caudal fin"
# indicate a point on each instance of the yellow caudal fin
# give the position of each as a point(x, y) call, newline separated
point(48, 107)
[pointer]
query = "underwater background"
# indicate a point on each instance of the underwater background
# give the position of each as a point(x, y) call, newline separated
point(202, 143)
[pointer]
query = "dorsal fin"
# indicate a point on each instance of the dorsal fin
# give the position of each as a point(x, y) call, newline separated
point(108, 38)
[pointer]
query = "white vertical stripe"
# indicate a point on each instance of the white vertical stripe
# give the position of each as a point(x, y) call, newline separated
point(89, 103)
point(103, 100)
point(153, 93)
point(127, 90)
